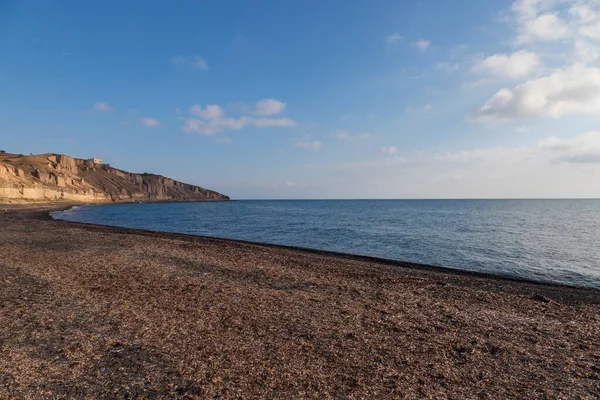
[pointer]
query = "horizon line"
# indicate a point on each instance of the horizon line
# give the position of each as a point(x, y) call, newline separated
point(420, 198)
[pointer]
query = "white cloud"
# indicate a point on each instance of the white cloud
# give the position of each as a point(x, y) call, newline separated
point(522, 129)
point(389, 150)
point(394, 38)
point(191, 61)
point(545, 27)
point(556, 20)
point(427, 107)
point(223, 140)
point(314, 145)
point(574, 90)
point(211, 111)
point(422, 44)
point(150, 122)
point(514, 65)
point(584, 13)
point(102, 106)
point(553, 143)
point(290, 184)
point(269, 107)
point(214, 120)
point(580, 149)
point(565, 33)
point(343, 135)
point(530, 8)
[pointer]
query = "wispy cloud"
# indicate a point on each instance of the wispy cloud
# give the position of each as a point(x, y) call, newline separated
point(411, 109)
point(394, 38)
point(389, 150)
point(314, 145)
point(211, 111)
point(447, 67)
point(269, 107)
point(150, 122)
point(102, 106)
point(392, 161)
point(580, 149)
point(422, 44)
point(344, 135)
point(200, 63)
point(191, 61)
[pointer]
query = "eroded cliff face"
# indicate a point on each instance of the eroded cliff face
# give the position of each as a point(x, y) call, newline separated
point(58, 177)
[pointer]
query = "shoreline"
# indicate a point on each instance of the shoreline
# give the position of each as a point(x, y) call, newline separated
point(349, 256)
point(98, 311)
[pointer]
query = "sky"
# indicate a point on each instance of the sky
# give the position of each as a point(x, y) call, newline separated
point(313, 99)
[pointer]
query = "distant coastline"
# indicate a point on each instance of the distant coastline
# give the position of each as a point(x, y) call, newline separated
point(56, 177)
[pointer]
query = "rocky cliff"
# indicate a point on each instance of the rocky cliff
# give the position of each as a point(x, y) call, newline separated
point(46, 177)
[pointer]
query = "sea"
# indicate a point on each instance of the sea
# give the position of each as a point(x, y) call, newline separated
point(544, 240)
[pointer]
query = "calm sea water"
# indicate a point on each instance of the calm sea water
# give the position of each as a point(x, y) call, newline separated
point(546, 240)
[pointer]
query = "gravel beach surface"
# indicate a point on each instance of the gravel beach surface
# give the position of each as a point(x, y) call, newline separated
point(98, 312)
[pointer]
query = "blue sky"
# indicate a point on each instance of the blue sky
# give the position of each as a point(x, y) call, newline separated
point(313, 99)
